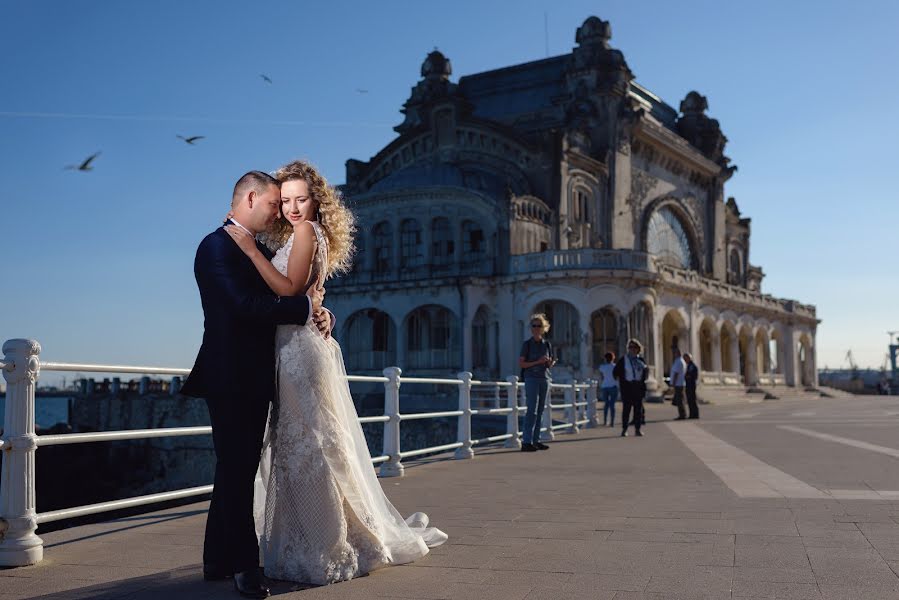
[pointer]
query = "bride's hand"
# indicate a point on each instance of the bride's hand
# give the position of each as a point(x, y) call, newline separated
point(244, 240)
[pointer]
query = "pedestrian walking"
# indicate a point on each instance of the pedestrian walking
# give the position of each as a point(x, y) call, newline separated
point(631, 372)
point(690, 378)
point(676, 380)
point(608, 390)
point(535, 359)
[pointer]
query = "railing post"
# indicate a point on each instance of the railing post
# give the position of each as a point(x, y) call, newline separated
point(464, 432)
point(592, 416)
point(496, 400)
point(512, 417)
point(19, 545)
point(548, 435)
point(571, 394)
point(394, 466)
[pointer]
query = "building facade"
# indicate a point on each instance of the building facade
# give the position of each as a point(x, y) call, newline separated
point(558, 186)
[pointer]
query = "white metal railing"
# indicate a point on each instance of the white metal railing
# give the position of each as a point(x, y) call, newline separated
point(21, 366)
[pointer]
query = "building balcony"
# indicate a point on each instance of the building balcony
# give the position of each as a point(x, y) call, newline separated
point(582, 258)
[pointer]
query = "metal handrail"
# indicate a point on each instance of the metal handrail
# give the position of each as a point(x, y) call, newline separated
point(90, 509)
point(24, 352)
point(112, 436)
point(87, 368)
point(430, 415)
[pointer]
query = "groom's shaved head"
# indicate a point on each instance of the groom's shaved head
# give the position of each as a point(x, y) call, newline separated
point(254, 181)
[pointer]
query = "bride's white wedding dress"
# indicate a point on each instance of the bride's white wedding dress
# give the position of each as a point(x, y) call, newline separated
point(320, 512)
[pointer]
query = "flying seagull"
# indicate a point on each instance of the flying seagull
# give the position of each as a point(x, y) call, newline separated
point(361, 91)
point(86, 165)
point(191, 140)
point(265, 78)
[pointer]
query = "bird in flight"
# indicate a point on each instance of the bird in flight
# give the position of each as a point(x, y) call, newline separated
point(191, 140)
point(361, 91)
point(265, 78)
point(86, 165)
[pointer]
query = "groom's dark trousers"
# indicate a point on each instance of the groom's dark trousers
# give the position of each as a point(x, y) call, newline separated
point(235, 373)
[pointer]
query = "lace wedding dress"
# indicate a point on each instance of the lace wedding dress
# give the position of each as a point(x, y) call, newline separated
point(320, 512)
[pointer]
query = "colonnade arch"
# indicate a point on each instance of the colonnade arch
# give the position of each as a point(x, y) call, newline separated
point(675, 336)
point(370, 340)
point(565, 332)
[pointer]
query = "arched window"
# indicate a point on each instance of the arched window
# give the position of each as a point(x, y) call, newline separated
point(443, 247)
point(369, 340)
point(736, 267)
point(728, 339)
point(706, 341)
point(474, 245)
point(640, 327)
point(604, 326)
point(580, 205)
point(431, 340)
point(564, 333)
point(383, 248)
point(359, 256)
point(480, 357)
point(667, 239)
point(410, 244)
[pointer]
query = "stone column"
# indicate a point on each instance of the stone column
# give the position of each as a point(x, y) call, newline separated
point(716, 366)
point(586, 342)
point(813, 359)
point(622, 228)
point(752, 371)
point(791, 358)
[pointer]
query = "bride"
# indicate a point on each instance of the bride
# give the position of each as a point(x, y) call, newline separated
point(321, 514)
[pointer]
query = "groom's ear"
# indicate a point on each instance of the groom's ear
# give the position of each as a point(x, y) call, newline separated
point(250, 197)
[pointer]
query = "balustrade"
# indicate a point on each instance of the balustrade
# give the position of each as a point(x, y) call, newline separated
point(21, 366)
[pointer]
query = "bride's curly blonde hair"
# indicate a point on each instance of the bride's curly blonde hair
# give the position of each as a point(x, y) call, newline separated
point(336, 219)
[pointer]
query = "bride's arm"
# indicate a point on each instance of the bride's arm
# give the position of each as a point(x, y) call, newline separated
point(299, 263)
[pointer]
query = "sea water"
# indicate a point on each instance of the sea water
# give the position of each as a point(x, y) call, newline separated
point(48, 411)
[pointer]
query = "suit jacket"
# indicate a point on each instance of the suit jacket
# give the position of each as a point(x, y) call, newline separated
point(237, 357)
point(630, 389)
point(692, 375)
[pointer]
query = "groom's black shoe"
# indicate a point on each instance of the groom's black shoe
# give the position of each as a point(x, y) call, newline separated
point(251, 584)
point(215, 573)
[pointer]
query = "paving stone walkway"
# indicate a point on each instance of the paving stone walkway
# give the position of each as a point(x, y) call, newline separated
point(744, 503)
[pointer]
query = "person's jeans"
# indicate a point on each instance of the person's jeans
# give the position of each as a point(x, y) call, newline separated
point(535, 393)
point(679, 401)
point(608, 395)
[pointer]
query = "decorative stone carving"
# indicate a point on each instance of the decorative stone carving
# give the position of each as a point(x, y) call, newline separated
point(701, 131)
point(642, 184)
point(593, 53)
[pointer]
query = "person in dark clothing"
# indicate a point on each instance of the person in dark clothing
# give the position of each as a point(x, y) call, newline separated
point(535, 360)
point(690, 378)
point(235, 373)
point(631, 372)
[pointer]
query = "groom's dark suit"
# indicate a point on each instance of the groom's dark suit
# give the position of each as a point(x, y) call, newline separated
point(235, 373)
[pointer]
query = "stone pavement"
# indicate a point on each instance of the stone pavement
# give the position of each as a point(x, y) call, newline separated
point(779, 499)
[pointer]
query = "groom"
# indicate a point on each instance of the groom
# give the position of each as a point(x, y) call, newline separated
point(235, 373)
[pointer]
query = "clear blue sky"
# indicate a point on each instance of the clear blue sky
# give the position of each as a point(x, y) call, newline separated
point(98, 266)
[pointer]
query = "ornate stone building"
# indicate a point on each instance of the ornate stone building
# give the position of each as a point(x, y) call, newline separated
point(558, 186)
